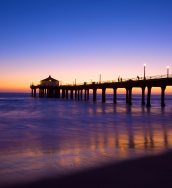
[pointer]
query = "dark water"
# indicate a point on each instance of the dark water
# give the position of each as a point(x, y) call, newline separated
point(53, 137)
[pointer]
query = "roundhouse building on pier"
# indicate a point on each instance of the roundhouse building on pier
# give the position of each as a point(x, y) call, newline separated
point(49, 82)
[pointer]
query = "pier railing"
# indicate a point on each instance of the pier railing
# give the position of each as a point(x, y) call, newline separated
point(117, 80)
point(128, 79)
point(148, 77)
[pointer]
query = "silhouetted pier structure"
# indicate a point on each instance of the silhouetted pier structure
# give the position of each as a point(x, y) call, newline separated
point(51, 90)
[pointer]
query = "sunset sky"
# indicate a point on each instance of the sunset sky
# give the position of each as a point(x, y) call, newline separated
point(80, 38)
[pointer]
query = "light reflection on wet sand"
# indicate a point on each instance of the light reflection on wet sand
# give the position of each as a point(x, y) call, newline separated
point(77, 135)
point(101, 148)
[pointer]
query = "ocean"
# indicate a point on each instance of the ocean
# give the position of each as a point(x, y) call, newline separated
point(49, 137)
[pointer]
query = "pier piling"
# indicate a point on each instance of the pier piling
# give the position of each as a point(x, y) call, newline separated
point(71, 94)
point(103, 95)
point(58, 93)
point(130, 96)
point(114, 95)
point(78, 94)
point(143, 95)
point(31, 92)
point(75, 94)
point(35, 92)
point(162, 95)
point(126, 95)
point(94, 94)
point(63, 93)
point(81, 93)
point(87, 93)
point(42, 92)
point(148, 96)
point(45, 93)
point(66, 93)
point(85, 96)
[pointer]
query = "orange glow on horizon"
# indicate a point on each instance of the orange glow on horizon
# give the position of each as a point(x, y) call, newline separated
point(21, 83)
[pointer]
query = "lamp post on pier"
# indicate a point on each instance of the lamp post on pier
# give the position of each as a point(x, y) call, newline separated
point(75, 80)
point(100, 78)
point(144, 71)
point(91, 80)
point(118, 77)
point(168, 71)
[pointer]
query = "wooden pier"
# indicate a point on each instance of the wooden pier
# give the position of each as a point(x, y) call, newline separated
point(51, 91)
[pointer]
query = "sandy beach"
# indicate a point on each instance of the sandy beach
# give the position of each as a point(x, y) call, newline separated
point(152, 171)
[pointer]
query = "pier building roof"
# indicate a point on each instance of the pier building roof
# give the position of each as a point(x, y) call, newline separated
point(49, 79)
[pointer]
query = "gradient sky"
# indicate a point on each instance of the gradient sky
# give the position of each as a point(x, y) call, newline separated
point(80, 38)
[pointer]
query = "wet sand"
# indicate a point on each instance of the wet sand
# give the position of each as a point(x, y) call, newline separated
point(152, 171)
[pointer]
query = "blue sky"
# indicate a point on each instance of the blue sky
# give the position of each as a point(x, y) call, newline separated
point(84, 37)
